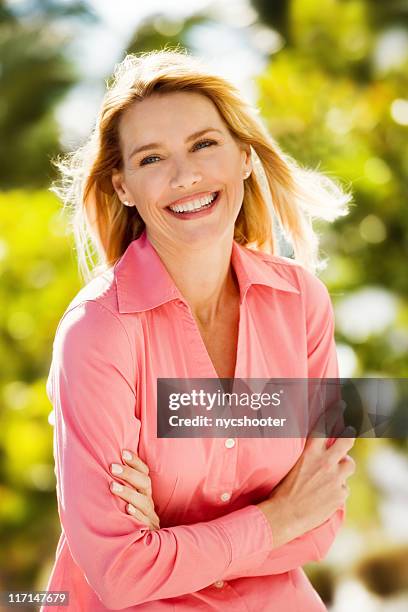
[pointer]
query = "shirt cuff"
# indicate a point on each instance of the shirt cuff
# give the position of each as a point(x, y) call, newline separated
point(249, 535)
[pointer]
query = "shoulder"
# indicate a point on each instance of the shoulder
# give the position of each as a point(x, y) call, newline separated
point(101, 289)
point(90, 331)
point(92, 351)
point(309, 285)
point(91, 320)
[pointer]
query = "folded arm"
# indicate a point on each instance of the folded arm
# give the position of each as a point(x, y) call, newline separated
point(93, 390)
point(322, 363)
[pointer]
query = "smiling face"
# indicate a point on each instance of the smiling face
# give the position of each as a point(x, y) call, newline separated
point(188, 155)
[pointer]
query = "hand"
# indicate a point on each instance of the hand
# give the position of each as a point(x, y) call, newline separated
point(139, 494)
point(330, 421)
point(312, 491)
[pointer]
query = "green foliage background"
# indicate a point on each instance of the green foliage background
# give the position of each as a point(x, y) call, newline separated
point(328, 104)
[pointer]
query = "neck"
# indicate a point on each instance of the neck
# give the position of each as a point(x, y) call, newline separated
point(204, 276)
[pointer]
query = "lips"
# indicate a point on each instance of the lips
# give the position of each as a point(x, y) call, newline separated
point(195, 196)
point(194, 214)
point(201, 207)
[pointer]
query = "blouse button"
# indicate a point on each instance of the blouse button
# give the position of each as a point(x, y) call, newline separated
point(219, 584)
point(230, 442)
point(225, 496)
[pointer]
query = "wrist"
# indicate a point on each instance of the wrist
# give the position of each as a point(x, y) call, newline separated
point(280, 521)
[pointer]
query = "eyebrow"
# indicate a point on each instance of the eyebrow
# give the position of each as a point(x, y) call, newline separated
point(156, 145)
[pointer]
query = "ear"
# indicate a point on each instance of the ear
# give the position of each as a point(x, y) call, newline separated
point(118, 184)
point(246, 159)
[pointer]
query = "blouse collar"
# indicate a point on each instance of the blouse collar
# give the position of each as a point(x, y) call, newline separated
point(143, 283)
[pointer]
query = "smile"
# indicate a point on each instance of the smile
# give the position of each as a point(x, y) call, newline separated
point(195, 207)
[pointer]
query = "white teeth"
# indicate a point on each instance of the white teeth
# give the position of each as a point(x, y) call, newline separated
point(194, 204)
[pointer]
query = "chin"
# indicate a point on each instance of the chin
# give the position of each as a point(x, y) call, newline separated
point(201, 236)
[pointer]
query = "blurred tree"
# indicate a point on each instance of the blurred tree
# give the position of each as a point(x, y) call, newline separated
point(391, 13)
point(381, 14)
point(35, 74)
point(385, 571)
point(275, 15)
point(328, 104)
point(327, 100)
point(160, 30)
point(39, 277)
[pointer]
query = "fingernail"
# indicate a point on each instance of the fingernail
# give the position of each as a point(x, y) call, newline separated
point(127, 455)
point(116, 468)
point(117, 487)
point(131, 508)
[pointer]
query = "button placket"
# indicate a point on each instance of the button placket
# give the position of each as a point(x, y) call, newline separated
point(228, 462)
point(227, 466)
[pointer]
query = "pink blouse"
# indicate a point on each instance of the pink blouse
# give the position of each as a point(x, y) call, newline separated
point(214, 549)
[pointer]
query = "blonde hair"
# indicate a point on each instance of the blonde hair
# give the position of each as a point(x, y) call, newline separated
point(278, 191)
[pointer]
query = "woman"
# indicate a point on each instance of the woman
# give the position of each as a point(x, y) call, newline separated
point(189, 287)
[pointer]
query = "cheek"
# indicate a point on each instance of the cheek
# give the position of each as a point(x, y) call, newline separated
point(236, 193)
point(225, 166)
point(228, 175)
point(145, 191)
point(229, 172)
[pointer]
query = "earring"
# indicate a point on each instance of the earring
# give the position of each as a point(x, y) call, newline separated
point(247, 174)
point(126, 203)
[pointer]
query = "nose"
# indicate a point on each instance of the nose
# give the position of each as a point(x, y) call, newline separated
point(185, 174)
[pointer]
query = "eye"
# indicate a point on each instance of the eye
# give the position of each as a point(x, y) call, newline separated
point(145, 161)
point(210, 142)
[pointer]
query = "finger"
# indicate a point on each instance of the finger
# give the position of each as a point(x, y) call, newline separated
point(133, 460)
point(339, 449)
point(141, 502)
point(137, 479)
point(152, 524)
point(314, 441)
point(335, 418)
point(336, 425)
point(328, 425)
point(137, 499)
point(346, 489)
point(347, 466)
point(152, 517)
point(330, 421)
point(151, 513)
point(140, 516)
point(147, 507)
point(347, 460)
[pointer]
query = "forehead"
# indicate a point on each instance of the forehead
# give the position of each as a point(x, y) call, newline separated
point(175, 112)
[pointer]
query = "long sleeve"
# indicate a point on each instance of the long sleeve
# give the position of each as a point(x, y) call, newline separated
point(322, 363)
point(93, 387)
